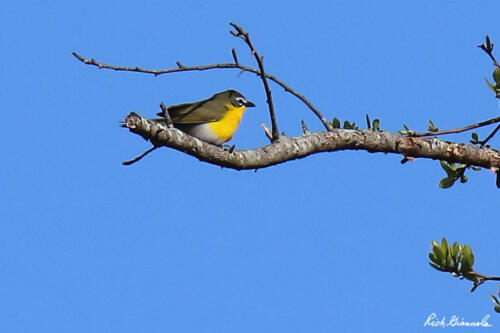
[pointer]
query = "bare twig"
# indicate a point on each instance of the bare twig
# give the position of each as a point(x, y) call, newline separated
point(492, 134)
point(235, 57)
point(166, 114)
point(156, 72)
point(246, 37)
point(236, 64)
point(458, 130)
point(267, 131)
point(138, 158)
point(305, 130)
point(488, 48)
point(480, 279)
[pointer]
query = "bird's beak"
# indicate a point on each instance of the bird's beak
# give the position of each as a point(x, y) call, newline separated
point(249, 104)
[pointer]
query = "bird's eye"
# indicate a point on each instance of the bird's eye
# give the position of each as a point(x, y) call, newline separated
point(240, 101)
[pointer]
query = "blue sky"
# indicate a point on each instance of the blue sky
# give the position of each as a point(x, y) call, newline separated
point(333, 242)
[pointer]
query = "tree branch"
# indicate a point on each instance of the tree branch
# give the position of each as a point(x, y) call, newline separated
point(480, 278)
point(492, 134)
point(488, 48)
point(291, 148)
point(246, 37)
point(236, 65)
point(138, 158)
point(459, 130)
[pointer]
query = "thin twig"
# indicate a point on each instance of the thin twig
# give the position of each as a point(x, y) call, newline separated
point(458, 130)
point(138, 158)
point(166, 114)
point(484, 277)
point(481, 279)
point(183, 68)
point(495, 62)
point(368, 123)
point(246, 37)
point(235, 57)
point(305, 130)
point(492, 134)
point(155, 72)
point(488, 48)
point(267, 131)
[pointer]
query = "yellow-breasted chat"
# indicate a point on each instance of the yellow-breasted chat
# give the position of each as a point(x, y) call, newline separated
point(214, 120)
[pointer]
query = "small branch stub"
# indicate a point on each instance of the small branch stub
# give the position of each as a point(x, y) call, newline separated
point(166, 114)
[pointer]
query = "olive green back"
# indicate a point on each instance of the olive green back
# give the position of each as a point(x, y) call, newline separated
point(209, 110)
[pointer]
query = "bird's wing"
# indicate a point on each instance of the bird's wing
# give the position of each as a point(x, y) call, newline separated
point(196, 113)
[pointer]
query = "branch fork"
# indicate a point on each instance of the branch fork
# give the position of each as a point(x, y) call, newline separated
point(284, 148)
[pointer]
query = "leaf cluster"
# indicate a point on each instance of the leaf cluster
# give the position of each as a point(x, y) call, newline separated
point(454, 172)
point(495, 87)
point(455, 259)
point(347, 125)
point(496, 301)
point(487, 47)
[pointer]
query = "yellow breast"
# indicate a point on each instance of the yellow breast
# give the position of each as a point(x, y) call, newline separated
point(227, 126)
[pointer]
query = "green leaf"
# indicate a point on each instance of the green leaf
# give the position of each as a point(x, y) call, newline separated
point(449, 168)
point(440, 255)
point(444, 244)
point(433, 265)
point(467, 250)
point(447, 252)
point(406, 131)
point(335, 123)
point(467, 260)
point(376, 125)
point(496, 76)
point(368, 123)
point(475, 138)
point(463, 179)
point(491, 86)
point(497, 308)
point(447, 182)
point(433, 258)
point(466, 266)
point(431, 127)
point(455, 249)
point(495, 300)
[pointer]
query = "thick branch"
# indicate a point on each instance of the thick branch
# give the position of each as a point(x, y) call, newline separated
point(290, 148)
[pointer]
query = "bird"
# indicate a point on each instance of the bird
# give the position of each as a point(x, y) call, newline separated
point(213, 120)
